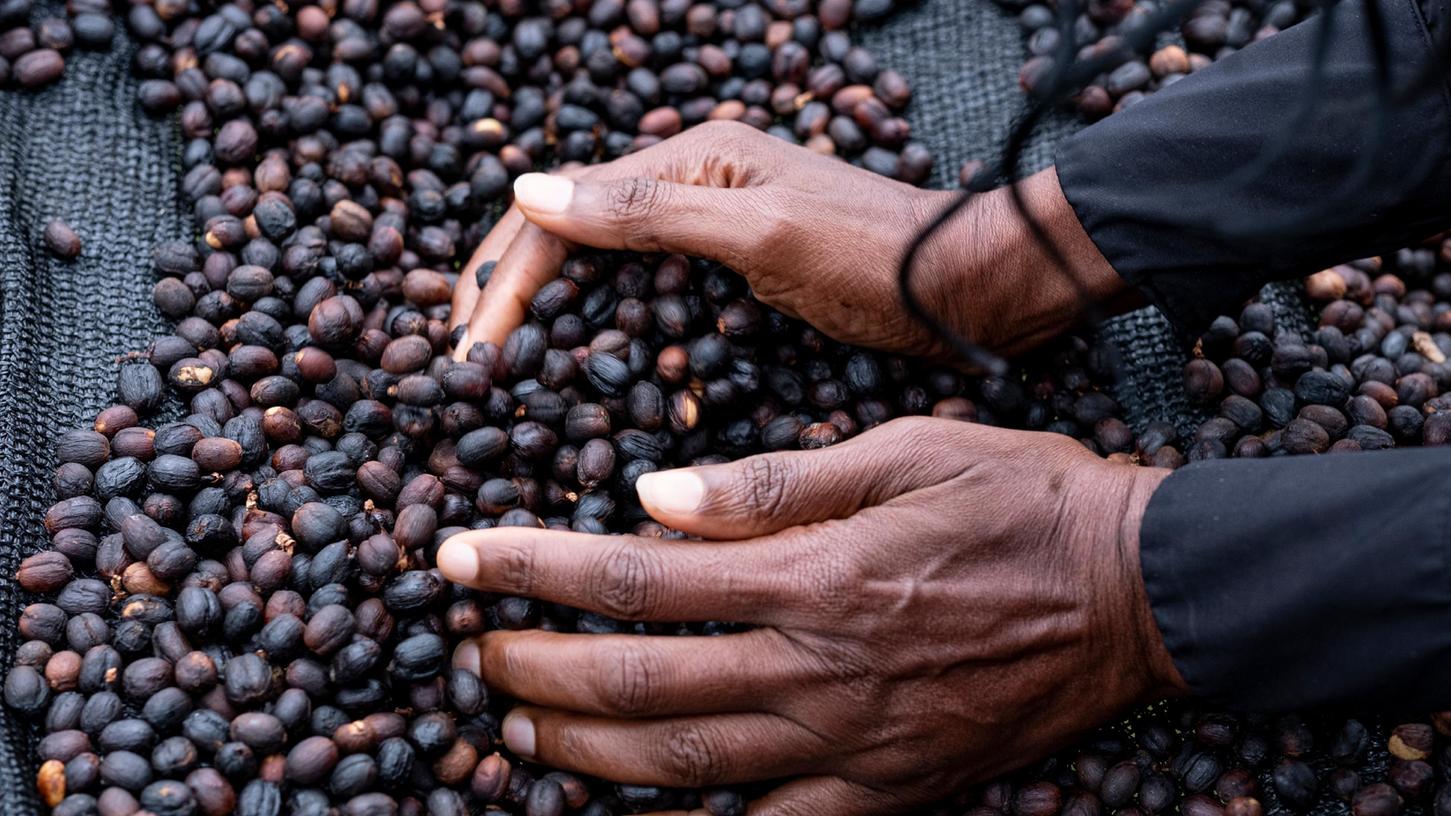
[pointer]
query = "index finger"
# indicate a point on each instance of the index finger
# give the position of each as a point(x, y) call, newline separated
point(626, 577)
point(533, 256)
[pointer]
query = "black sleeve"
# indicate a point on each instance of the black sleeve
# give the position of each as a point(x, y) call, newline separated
point(1150, 184)
point(1306, 581)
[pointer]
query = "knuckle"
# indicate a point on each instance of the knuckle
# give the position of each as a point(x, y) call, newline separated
point(776, 224)
point(856, 678)
point(691, 756)
point(512, 658)
point(918, 445)
point(762, 484)
point(625, 577)
point(516, 569)
point(629, 684)
point(635, 201)
point(832, 578)
point(915, 429)
point(708, 134)
point(727, 135)
point(573, 746)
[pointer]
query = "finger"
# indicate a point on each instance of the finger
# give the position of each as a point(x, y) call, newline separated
point(466, 291)
point(632, 676)
point(822, 796)
point(645, 214)
point(770, 492)
point(687, 752)
point(625, 577)
point(504, 302)
point(531, 260)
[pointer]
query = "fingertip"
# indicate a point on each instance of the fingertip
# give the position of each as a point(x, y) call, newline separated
point(458, 559)
point(488, 325)
point(543, 194)
point(469, 657)
point(671, 492)
point(518, 733)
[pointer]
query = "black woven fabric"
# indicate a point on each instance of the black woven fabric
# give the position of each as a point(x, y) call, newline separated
point(962, 58)
point(81, 152)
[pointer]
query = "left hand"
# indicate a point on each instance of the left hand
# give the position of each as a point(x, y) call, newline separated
point(936, 602)
point(815, 237)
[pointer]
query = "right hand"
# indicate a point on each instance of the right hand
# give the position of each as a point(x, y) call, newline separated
point(816, 237)
point(936, 603)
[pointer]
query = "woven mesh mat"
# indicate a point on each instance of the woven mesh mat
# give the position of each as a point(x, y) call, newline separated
point(81, 151)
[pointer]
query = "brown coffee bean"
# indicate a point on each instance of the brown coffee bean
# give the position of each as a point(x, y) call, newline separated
point(61, 240)
point(1411, 741)
point(38, 68)
point(44, 572)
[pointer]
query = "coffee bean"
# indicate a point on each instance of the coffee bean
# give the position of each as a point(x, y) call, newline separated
point(38, 68)
point(61, 240)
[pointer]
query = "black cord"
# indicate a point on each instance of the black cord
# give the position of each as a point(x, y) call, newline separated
point(1066, 76)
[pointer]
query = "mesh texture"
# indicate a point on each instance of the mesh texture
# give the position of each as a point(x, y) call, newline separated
point(80, 151)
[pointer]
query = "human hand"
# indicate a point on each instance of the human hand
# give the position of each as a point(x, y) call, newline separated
point(936, 602)
point(816, 238)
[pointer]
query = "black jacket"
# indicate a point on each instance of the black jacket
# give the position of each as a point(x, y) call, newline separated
point(1293, 581)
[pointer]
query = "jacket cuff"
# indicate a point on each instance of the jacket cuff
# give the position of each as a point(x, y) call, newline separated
point(1214, 186)
point(1306, 581)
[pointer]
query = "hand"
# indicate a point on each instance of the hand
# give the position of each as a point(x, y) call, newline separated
point(816, 238)
point(936, 602)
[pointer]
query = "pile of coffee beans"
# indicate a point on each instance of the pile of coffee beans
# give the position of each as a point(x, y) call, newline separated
point(33, 47)
point(1198, 763)
point(1212, 30)
point(1373, 374)
point(239, 611)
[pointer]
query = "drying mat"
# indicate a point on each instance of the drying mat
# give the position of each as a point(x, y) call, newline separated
point(82, 151)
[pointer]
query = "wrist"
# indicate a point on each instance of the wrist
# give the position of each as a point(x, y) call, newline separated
point(1110, 503)
point(987, 275)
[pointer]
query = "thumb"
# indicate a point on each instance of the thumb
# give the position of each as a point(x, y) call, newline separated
point(770, 492)
point(645, 214)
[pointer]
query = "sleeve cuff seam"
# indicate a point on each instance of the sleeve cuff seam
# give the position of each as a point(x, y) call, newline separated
point(1150, 537)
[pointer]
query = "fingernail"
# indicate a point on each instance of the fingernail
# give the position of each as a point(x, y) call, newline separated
point(544, 193)
point(519, 734)
point(463, 339)
point(457, 560)
point(674, 491)
point(466, 656)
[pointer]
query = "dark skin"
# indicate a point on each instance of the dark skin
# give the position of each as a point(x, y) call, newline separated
point(934, 602)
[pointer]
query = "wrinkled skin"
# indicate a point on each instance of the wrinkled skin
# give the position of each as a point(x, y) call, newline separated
point(816, 238)
point(935, 602)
